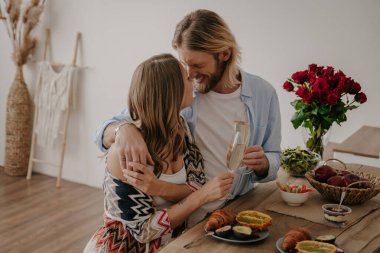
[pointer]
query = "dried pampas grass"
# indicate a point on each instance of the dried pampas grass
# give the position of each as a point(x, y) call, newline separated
point(19, 26)
point(13, 10)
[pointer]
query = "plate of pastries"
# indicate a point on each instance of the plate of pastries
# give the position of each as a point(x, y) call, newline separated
point(244, 227)
point(299, 240)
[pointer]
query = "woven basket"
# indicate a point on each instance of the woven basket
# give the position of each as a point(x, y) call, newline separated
point(18, 127)
point(354, 196)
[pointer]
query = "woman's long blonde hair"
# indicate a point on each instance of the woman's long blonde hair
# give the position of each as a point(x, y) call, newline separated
point(206, 31)
point(155, 97)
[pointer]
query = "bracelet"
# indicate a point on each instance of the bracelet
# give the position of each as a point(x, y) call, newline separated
point(120, 125)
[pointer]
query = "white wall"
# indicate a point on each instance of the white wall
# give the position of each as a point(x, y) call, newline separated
point(277, 38)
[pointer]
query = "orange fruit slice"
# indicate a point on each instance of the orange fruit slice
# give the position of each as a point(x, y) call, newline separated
point(315, 247)
point(254, 219)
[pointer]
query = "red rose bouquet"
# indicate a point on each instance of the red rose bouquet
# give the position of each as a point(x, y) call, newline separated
point(324, 97)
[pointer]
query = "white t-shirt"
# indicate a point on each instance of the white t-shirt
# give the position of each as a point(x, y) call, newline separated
point(179, 177)
point(214, 131)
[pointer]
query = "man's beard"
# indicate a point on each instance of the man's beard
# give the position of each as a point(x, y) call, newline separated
point(213, 80)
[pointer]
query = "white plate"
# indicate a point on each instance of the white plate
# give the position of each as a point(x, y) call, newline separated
point(262, 235)
point(279, 245)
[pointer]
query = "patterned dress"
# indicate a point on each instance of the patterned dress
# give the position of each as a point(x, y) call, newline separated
point(132, 222)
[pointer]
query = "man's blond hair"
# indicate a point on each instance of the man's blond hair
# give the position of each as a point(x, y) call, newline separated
point(206, 31)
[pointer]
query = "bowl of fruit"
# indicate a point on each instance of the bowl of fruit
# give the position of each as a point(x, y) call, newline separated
point(297, 161)
point(331, 182)
point(294, 194)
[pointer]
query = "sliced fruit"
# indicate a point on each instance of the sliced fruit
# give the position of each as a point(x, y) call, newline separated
point(315, 247)
point(326, 238)
point(242, 232)
point(254, 219)
point(223, 231)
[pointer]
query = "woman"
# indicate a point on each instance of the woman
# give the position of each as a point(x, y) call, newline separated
point(133, 220)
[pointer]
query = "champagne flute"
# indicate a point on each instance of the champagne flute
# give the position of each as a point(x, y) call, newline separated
point(236, 149)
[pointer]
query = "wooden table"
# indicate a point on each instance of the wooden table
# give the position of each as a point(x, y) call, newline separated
point(362, 147)
point(364, 142)
point(350, 238)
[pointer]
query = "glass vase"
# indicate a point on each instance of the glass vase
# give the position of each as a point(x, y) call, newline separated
point(315, 141)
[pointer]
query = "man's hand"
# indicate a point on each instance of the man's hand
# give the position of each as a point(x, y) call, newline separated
point(131, 146)
point(142, 178)
point(255, 159)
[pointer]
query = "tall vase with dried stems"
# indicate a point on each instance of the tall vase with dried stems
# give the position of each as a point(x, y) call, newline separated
point(19, 24)
point(18, 127)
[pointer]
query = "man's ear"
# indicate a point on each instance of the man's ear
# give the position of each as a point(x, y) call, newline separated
point(225, 55)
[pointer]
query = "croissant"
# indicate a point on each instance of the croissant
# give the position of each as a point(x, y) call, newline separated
point(295, 235)
point(219, 218)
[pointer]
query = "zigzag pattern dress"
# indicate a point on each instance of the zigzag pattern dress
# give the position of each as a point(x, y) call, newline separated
point(131, 216)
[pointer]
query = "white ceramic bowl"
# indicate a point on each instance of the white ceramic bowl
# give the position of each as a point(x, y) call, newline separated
point(331, 214)
point(294, 199)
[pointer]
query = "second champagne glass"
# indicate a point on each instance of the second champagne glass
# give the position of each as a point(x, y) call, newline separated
point(237, 147)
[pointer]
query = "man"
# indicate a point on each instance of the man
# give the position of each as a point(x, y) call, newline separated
point(224, 94)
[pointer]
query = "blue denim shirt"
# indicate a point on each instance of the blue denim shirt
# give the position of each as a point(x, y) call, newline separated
point(263, 113)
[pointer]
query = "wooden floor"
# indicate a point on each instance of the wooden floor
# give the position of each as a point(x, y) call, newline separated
point(35, 216)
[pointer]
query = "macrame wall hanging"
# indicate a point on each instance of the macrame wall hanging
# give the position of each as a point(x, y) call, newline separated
point(54, 98)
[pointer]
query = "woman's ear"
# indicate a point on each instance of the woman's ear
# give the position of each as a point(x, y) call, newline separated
point(225, 55)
